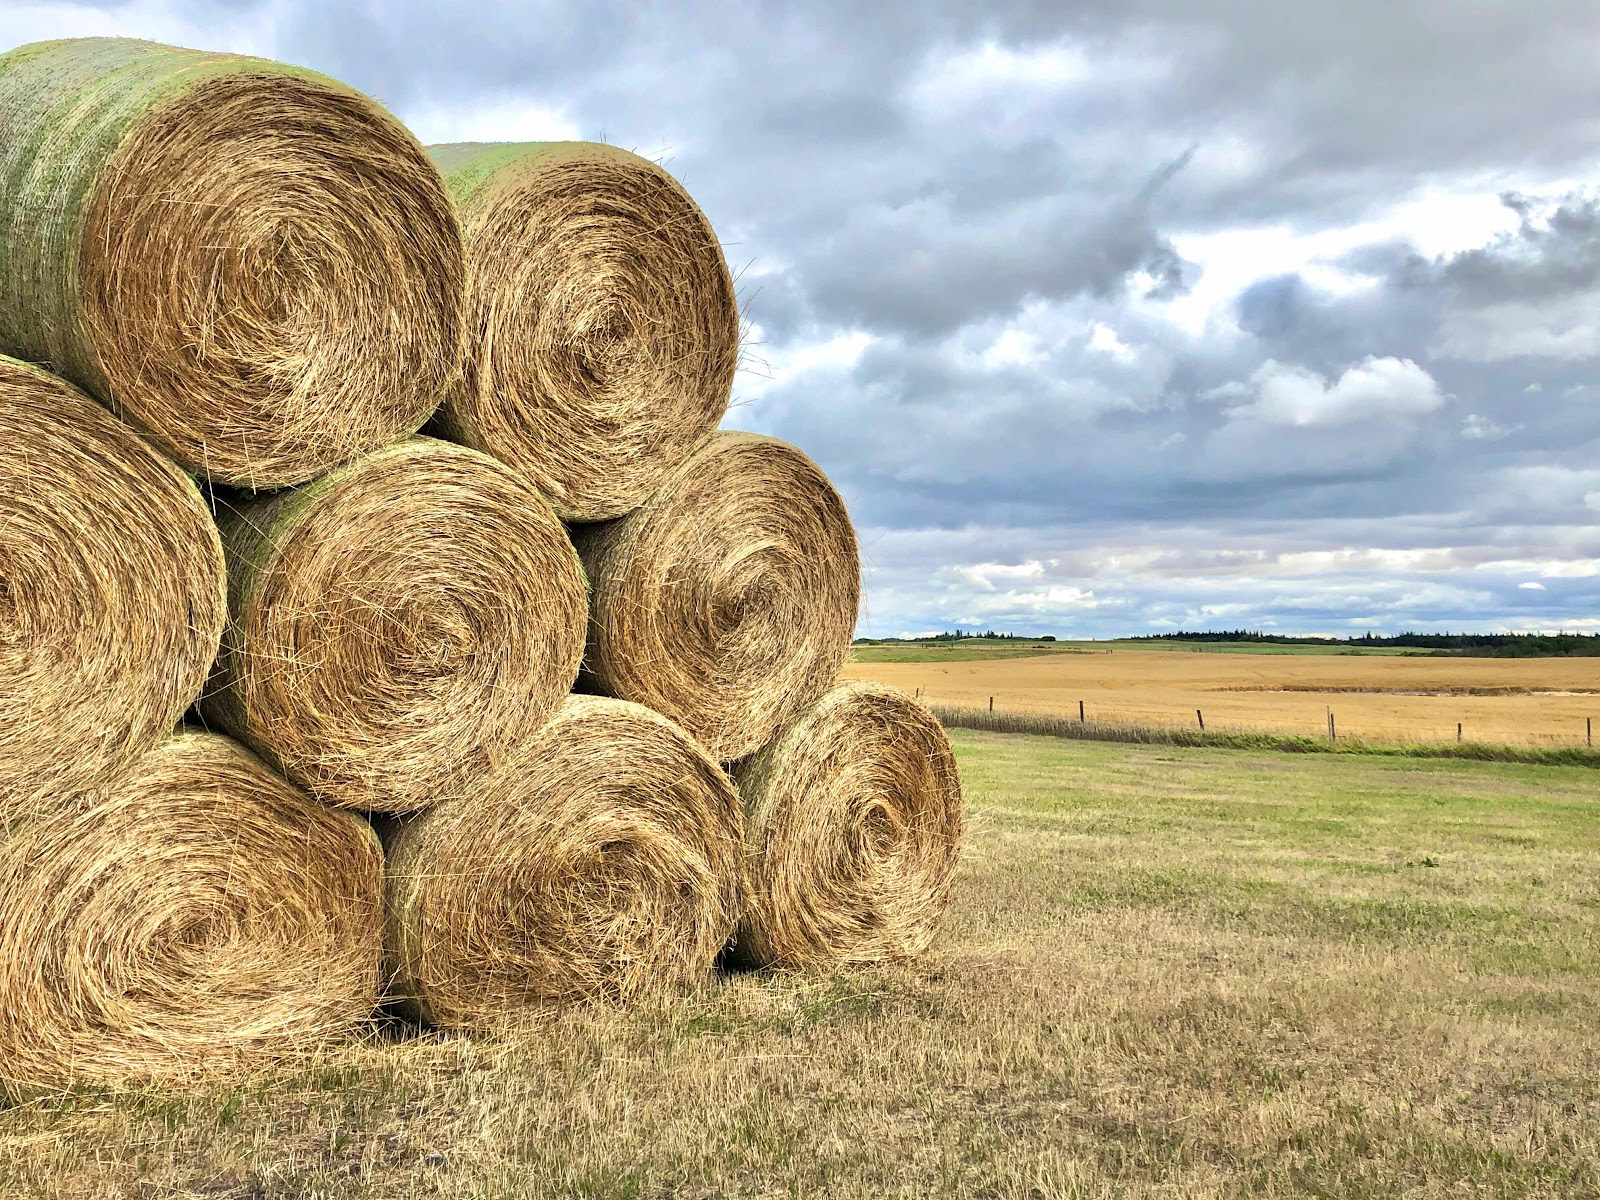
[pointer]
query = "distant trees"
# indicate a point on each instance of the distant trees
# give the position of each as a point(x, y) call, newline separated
point(1477, 645)
point(962, 635)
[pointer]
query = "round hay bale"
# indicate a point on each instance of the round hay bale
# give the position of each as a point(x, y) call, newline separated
point(255, 264)
point(398, 627)
point(604, 864)
point(728, 601)
point(196, 915)
point(112, 593)
point(853, 819)
point(603, 328)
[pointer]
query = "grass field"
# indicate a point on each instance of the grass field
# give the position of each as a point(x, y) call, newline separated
point(1378, 697)
point(1168, 973)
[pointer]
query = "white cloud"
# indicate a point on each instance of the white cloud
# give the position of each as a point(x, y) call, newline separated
point(780, 364)
point(1433, 221)
point(984, 576)
point(1576, 569)
point(511, 119)
point(1013, 348)
point(951, 82)
point(1367, 560)
point(1531, 586)
point(1040, 601)
point(1105, 340)
point(1564, 329)
point(1481, 429)
point(1285, 394)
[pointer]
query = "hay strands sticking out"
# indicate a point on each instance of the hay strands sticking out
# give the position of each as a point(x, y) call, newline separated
point(603, 864)
point(399, 627)
point(853, 817)
point(255, 264)
point(196, 916)
point(605, 332)
point(728, 601)
point(112, 592)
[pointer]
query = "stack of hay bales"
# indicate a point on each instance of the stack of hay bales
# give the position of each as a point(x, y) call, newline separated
point(538, 704)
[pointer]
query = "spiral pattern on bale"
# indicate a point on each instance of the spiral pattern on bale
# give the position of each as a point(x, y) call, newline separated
point(197, 915)
point(853, 818)
point(604, 864)
point(399, 627)
point(253, 263)
point(602, 324)
point(728, 600)
point(112, 595)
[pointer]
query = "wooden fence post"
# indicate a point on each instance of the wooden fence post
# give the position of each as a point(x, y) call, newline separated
point(1201, 717)
point(991, 703)
point(1458, 731)
point(1080, 712)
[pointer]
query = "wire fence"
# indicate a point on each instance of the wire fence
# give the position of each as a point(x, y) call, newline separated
point(1334, 741)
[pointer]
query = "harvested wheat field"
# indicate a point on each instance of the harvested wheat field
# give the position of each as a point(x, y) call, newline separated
point(1398, 698)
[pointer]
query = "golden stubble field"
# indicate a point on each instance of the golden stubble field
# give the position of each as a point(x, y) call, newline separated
point(1378, 697)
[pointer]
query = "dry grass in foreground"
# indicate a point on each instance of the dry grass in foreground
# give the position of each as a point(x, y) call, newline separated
point(1169, 973)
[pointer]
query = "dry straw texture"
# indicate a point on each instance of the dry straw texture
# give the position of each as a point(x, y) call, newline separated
point(604, 864)
point(601, 317)
point(853, 817)
point(255, 264)
point(398, 627)
point(111, 591)
point(728, 601)
point(196, 915)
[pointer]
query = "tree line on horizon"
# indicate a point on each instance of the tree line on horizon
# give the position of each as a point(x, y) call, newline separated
point(1485, 645)
point(1493, 645)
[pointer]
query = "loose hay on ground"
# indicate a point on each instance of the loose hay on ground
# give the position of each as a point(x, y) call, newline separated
point(252, 262)
point(604, 333)
point(198, 914)
point(853, 817)
point(603, 864)
point(398, 628)
point(112, 595)
point(728, 601)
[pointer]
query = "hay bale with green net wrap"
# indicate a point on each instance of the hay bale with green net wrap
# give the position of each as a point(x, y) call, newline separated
point(603, 326)
point(853, 817)
point(728, 600)
point(197, 915)
point(112, 592)
point(255, 264)
point(603, 864)
point(398, 628)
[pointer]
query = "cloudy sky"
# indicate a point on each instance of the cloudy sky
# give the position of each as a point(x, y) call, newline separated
point(1106, 317)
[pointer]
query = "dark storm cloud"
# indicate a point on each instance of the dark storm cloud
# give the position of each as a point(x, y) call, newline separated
point(1555, 253)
